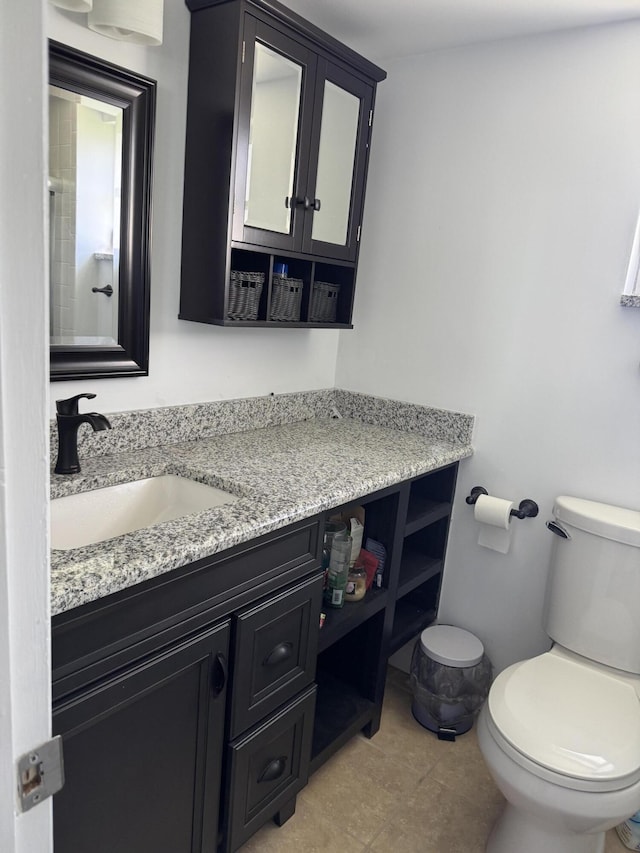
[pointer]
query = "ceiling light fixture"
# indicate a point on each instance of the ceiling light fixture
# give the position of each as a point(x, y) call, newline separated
point(139, 22)
point(134, 21)
point(73, 5)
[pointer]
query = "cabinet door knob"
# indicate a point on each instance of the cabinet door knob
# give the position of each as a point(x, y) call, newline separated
point(296, 201)
point(219, 678)
point(278, 654)
point(305, 202)
point(273, 770)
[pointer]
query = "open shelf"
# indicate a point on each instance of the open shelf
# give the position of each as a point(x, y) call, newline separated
point(341, 712)
point(305, 270)
point(413, 613)
point(411, 520)
point(353, 613)
point(422, 511)
point(415, 569)
point(410, 619)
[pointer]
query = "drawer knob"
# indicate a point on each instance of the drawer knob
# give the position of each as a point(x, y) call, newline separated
point(273, 770)
point(278, 654)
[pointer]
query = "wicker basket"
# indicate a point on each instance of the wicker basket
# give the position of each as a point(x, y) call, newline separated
point(286, 296)
point(324, 302)
point(245, 289)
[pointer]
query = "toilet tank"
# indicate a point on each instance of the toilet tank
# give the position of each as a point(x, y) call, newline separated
point(593, 593)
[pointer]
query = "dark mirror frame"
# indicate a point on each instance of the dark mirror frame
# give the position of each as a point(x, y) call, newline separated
point(136, 95)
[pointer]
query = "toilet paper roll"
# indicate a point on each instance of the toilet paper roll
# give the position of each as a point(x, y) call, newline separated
point(494, 515)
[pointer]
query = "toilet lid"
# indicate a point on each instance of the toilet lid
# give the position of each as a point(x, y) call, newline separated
point(575, 720)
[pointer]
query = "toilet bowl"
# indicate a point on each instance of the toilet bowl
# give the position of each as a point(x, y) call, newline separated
point(562, 742)
point(560, 733)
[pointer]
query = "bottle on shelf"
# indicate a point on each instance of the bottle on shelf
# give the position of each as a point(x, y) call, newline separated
point(331, 529)
point(356, 582)
point(338, 570)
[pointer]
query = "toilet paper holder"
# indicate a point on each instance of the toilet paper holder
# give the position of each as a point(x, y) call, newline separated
point(526, 508)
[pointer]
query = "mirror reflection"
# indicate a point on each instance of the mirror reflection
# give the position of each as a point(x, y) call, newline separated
point(273, 134)
point(338, 137)
point(101, 123)
point(85, 170)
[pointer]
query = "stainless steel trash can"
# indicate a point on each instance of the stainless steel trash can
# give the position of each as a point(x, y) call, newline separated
point(450, 680)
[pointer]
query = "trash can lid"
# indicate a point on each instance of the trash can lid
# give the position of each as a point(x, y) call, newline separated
point(451, 646)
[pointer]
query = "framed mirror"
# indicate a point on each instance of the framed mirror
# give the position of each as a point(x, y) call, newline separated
point(101, 124)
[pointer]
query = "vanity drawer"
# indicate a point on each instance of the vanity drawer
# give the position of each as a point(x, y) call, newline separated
point(276, 644)
point(267, 768)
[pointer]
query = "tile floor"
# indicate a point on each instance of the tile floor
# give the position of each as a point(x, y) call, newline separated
point(403, 791)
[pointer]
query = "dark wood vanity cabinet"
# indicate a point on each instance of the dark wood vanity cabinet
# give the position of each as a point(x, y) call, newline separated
point(142, 754)
point(279, 123)
point(193, 706)
point(164, 690)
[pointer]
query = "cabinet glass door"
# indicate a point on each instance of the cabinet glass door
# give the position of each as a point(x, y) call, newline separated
point(273, 140)
point(337, 168)
point(274, 130)
point(336, 156)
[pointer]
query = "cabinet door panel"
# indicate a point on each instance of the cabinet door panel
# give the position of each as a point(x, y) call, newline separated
point(273, 138)
point(142, 755)
point(337, 169)
point(336, 157)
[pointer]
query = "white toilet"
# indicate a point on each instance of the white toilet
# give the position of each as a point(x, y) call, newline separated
point(560, 733)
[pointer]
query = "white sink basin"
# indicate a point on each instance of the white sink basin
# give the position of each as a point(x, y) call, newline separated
point(101, 514)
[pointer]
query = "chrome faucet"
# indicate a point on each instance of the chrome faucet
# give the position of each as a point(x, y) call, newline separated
point(69, 419)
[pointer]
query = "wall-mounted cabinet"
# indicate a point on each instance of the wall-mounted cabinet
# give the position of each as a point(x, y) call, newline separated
point(278, 134)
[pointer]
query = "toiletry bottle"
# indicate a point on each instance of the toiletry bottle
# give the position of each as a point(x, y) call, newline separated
point(338, 570)
point(356, 582)
point(331, 529)
point(629, 832)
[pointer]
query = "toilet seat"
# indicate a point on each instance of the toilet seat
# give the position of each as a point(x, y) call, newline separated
point(570, 722)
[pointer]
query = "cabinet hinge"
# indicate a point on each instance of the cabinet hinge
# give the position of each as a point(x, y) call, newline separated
point(358, 234)
point(370, 117)
point(244, 45)
point(40, 773)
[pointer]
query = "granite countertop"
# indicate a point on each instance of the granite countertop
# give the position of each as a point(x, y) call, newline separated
point(280, 473)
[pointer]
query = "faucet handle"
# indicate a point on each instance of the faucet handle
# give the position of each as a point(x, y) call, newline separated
point(70, 405)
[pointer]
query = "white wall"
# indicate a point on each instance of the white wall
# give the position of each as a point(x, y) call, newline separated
point(25, 707)
point(503, 194)
point(189, 362)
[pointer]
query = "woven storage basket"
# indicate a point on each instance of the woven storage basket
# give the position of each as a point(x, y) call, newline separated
point(324, 302)
point(286, 296)
point(245, 289)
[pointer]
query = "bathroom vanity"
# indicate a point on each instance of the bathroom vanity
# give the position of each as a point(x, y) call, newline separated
point(195, 701)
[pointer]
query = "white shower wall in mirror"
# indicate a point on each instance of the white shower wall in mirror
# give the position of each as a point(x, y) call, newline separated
point(85, 166)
